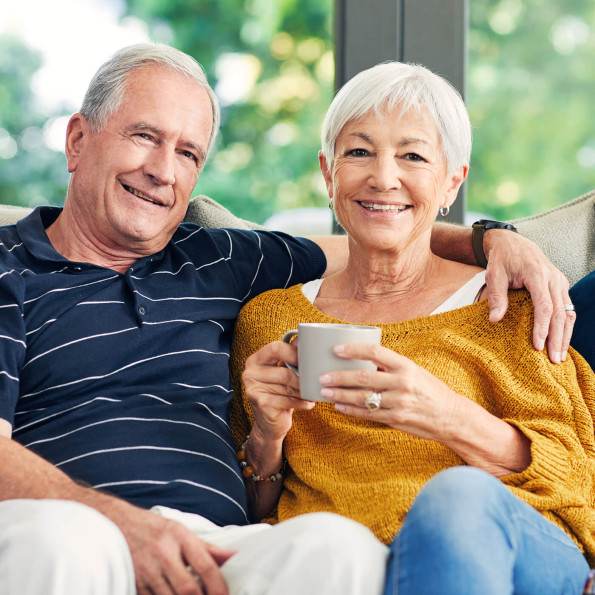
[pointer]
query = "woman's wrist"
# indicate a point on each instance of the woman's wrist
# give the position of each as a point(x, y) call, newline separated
point(264, 455)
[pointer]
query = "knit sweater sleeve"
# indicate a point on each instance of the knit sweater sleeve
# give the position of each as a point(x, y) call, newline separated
point(255, 327)
point(553, 406)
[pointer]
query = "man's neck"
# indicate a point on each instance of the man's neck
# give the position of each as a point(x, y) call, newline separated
point(75, 244)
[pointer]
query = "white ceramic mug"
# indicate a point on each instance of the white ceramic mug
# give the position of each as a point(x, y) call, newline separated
point(315, 352)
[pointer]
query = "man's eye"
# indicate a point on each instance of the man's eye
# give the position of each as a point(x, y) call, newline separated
point(190, 155)
point(358, 153)
point(143, 135)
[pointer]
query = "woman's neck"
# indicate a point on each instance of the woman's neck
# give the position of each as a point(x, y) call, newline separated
point(390, 287)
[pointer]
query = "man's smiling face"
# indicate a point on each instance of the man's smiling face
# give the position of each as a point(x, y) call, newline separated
point(132, 180)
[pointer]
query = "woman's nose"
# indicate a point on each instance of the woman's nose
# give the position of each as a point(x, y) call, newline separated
point(385, 174)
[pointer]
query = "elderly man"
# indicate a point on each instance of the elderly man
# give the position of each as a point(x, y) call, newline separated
point(118, 468)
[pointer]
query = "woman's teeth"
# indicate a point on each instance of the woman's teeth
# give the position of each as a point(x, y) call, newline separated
point(372, 206)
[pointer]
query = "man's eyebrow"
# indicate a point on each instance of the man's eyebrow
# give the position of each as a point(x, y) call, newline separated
point(140, 126)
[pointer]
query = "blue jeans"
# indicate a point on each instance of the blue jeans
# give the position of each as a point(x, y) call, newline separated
point(467, 534)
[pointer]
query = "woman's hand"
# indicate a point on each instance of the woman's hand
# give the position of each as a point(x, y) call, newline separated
point(415, 401)
point(273, 390)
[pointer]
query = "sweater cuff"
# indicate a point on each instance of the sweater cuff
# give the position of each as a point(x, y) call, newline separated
point(547, 461)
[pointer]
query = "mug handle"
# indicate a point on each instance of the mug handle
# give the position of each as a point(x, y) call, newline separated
point(288, 337)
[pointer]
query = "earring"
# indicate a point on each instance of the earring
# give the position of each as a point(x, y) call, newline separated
point(444, 210)
point(331, 206)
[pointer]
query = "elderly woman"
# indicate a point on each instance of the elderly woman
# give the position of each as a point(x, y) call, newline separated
point(467, 449)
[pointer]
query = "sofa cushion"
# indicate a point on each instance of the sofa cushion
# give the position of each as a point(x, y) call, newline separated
point(566, 234)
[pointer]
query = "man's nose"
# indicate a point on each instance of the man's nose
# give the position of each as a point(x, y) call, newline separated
point(161, 165)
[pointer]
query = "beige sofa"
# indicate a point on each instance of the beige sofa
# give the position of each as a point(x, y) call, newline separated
point(566, 234)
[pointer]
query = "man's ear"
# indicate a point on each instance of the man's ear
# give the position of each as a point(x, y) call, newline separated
point(456, 181)
point(328, 178)
point(77, 129)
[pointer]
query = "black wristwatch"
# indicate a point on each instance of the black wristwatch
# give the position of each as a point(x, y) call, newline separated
point(479, 228)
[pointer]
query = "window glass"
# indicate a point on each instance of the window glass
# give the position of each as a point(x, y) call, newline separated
point(531, 85)
point(270, 62)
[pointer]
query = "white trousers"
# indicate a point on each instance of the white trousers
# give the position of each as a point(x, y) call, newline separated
point(55, 547)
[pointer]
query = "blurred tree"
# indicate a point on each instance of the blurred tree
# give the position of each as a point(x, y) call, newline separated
point(30, 172)
point(530, 90)
point(271, 65)
point(530, 96)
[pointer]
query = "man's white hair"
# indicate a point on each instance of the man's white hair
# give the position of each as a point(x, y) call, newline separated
point(106, 89)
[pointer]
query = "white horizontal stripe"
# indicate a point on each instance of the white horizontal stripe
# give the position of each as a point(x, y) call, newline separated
point(291, 260)
point(155, 482)
point(13, 339)
point(155, 397)
point(7, 273)
point(217, 323)
point(10, 306)
point(213, 414)
point(60, 270)
point(210, 264)
point(139, 419)
point(257, 268)
point(25, 271)
point(187, 263)
point(61, 412)
point(63, 289)
point(11, 249)
point(89, 338)
point(171, 321)
point(90, 303)
point(102, 451)
point(178, 299)
point(228, 391)
point(2, 372)
point(40, 327)
point(188, 236)
point(141, 361)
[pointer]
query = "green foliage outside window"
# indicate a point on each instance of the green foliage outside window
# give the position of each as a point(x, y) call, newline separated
point(271, 64)
point(530, 95)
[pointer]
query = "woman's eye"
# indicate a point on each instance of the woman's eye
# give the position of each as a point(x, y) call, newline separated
point(358, 153)
point(414, 157)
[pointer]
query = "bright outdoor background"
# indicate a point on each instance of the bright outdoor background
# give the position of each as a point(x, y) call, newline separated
point(530, 94)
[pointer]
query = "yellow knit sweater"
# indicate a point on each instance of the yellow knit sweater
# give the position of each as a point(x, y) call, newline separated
point(372, 473)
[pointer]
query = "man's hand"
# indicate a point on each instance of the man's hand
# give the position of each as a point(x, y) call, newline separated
point(167, 557)
point(515, 262)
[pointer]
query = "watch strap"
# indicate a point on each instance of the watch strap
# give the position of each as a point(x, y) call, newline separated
point(478, 229)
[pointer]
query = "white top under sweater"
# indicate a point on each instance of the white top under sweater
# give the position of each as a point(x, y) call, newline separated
point(463, 296)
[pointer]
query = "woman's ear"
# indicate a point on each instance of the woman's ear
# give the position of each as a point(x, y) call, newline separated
point(326, 173)
point(77, 128)
point(456, 180)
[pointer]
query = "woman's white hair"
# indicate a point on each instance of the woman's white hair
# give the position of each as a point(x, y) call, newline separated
point(106, 89)
point(395, 84)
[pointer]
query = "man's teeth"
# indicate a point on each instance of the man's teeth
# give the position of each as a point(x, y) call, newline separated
point(372, 206)
point(140, 194)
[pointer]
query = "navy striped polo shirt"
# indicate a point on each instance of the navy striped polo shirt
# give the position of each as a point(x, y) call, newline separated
point(122, 380)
